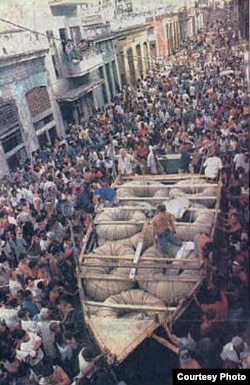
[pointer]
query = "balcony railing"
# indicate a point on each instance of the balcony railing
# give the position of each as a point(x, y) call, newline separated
point(80, 63)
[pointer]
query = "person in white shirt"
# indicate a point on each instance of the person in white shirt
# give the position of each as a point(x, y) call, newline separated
point(239, 160)
point(153, 164)
point(30, 348)
point(86, 363)
point(125, 162)
point(212, 166)
point(234, 353)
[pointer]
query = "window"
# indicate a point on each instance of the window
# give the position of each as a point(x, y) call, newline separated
point(12, 140)
point(8, 115)
point(114, 70)
point(17, 159)
point(104, 92)
point(41, 123)
point(151, 32)
point(63, 37)
point(43, 139)
point(41, 112)
point(10, 130)
point(101, 72)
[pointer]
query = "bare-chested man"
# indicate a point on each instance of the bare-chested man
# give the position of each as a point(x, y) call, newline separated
point(164, 229)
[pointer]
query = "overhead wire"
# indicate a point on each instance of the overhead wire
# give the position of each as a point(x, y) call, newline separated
point(136, 57)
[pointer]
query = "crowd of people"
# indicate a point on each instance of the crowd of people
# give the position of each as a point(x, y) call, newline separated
point(200, 110)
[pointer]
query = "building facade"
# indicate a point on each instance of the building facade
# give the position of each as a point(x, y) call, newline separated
point(132, 51)
point(164, 35)
point(28, 118)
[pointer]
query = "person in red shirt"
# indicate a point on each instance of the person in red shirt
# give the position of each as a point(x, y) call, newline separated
point(143, 130)
point(218, 303)
point(142, 150)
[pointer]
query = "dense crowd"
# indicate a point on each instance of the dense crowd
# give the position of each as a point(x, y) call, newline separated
point(200, 110)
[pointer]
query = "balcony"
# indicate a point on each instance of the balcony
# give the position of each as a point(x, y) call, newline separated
point(81, 65)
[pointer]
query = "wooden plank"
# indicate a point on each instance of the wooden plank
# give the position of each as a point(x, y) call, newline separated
point(129, 258)
point(176, 265)
point(146, 208)
point(168, 186)
point(138, 251)
point(130, 306)
point(106, 277)
point(192, 197)
point(85, 242)
point(118, 222)
point(141, 222)
point(217, 208)
point(164, 177)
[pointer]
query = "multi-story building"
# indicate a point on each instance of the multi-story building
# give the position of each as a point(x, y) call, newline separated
point(81, 83)
point(164, 34)
point(132, 52)
point(29, 117)
point(56, 70)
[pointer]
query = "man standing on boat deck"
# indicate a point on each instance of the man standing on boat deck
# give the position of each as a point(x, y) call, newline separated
point(164, 229)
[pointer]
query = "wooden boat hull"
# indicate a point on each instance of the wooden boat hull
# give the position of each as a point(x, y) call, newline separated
point(117, 336)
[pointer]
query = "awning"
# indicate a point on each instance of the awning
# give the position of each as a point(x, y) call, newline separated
point(76, 93)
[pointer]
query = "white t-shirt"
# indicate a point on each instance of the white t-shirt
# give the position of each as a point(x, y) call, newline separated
point(28, 349)
point(83, 364)
point(151, 163)
point(229, 353)
point(212, 166)
point(239, 161)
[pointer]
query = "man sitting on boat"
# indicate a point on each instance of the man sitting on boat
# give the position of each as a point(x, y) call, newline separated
point(164, 229)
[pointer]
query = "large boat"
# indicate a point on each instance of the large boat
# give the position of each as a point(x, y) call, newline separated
point(128, 288)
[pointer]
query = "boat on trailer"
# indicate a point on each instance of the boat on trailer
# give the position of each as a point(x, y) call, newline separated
point(127, 288)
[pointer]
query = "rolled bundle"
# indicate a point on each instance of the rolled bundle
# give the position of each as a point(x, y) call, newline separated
point(154, 253)
point(140, 205)
point(171, 291)
point(142, 189)
point(167, 290)
point(200, 220)
point(196, 189)
point(135, 297)
point(100, 288)
point(115, 231)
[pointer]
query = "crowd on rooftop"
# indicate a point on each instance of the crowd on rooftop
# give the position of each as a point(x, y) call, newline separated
point(200, 110)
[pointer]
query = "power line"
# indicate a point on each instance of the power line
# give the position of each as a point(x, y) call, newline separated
point(25, 28)
point(136, 57)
